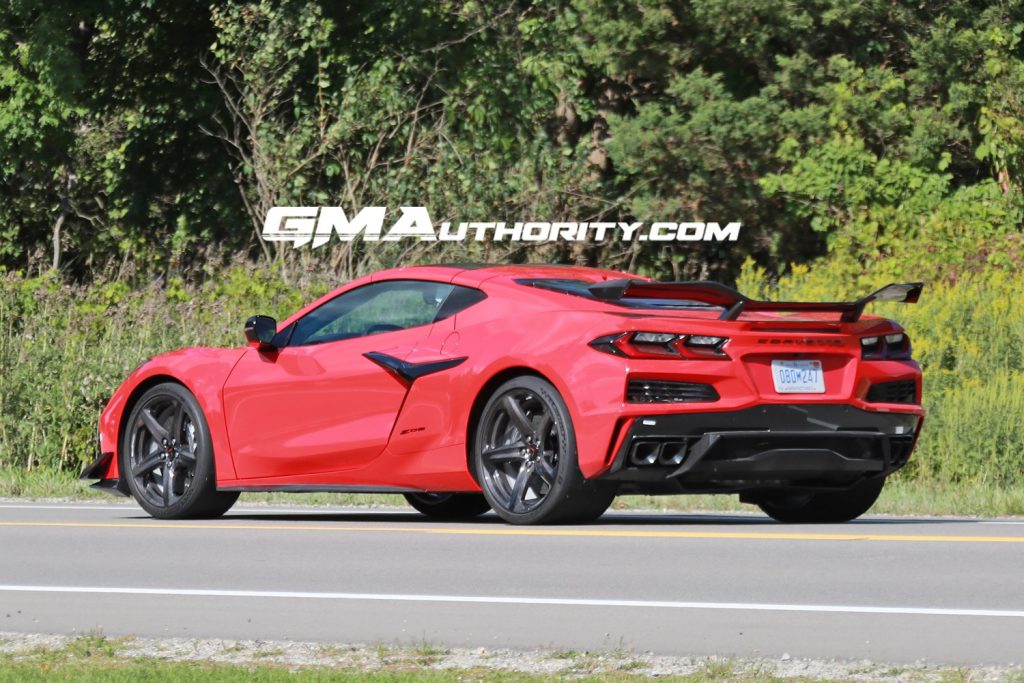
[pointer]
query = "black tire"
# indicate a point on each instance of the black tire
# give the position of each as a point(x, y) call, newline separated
point(449, 505)
point(524, 457)
point(590, 502)
point(823, 507)
point(167, 456)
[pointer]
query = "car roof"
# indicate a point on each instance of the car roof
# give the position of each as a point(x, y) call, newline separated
point(474, 274)
point(507, 276)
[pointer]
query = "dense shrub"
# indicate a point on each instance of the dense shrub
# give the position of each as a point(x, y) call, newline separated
point(63, 349)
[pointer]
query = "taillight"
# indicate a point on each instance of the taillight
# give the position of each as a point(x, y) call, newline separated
point(892, 346)
point(662, 345)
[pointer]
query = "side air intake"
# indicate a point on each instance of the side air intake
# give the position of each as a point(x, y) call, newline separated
point(665, 391)
point(900, 391)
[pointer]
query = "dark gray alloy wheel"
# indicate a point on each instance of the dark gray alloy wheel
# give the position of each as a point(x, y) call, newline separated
point(525, 458)
point(449, 505)
point(168, 456)
point(823, 507)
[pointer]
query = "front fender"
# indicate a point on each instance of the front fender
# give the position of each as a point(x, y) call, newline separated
point(203, 371)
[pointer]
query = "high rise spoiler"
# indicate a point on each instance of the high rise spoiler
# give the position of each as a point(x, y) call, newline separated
point(735, 303)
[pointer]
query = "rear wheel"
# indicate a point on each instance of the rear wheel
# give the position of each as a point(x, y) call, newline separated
point(449, 505)
point(167, 456)
point(823, 507)
point(524, 456)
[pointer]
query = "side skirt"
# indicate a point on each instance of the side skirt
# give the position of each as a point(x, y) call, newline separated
point(320, 488)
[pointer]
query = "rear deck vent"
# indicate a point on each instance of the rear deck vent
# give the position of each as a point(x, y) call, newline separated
point(664, 391)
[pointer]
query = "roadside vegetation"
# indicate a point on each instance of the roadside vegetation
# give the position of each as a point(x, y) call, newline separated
point(94, 657)
point(65, 347)
point(858, 143)
point(902, 496)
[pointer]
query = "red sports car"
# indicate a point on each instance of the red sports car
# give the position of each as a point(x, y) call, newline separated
point(540, 392)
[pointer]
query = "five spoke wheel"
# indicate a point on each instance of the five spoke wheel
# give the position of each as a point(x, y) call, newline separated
point(162, 456)
point(522, 450)
point(525, 457)
point(167, 456)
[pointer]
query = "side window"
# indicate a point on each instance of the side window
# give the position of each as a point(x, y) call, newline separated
point(459, 300)
point(372, 309)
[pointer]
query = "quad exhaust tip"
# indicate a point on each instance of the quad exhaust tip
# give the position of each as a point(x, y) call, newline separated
point(663, 453)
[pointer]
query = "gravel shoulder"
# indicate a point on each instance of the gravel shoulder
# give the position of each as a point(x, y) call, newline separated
point(482, 662)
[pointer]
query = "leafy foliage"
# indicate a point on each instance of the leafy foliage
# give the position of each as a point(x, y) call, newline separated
point(141, 144)
point(969, 339)
point(64, 348)
point(135, 135)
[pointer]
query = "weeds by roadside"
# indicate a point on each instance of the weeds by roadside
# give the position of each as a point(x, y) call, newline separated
point(901, 496)
point(64, 348)
point(92, 657)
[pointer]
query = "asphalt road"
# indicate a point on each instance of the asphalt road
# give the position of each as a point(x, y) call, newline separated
point(889, 590)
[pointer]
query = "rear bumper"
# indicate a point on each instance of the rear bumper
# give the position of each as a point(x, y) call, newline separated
point(797, 446)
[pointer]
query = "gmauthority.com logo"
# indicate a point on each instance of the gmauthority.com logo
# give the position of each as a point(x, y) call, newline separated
point(301, 225)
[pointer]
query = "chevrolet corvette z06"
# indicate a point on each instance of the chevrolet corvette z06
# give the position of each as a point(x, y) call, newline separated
point(540, 392)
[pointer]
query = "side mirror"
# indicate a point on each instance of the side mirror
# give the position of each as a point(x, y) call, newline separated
point(260, 330)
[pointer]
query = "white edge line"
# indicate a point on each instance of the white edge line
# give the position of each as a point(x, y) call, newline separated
point(115, 503)
point(508, 600)
point(244, 510)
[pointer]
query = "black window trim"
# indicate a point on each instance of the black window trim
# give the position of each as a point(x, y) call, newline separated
point(477, 294)
point(284, 337)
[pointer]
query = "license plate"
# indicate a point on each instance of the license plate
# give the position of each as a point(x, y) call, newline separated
point(798, 377)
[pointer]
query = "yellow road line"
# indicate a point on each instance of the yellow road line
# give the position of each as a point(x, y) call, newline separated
point(515, 531)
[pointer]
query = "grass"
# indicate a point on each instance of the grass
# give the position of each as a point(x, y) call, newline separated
point(154, 671)
point(901, 496)
point(157, 671)
point(94, 658)
point(426, 654)
point(44, 483)
point(64, 348)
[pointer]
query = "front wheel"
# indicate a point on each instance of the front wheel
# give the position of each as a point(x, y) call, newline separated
point(449, 505)
point(167, 456)
point(823, 507)
point(524, 456)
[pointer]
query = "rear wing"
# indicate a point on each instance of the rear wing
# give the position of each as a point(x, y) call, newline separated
point(735, 303)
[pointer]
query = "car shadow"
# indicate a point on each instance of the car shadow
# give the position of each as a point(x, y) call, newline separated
point(609, 519)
